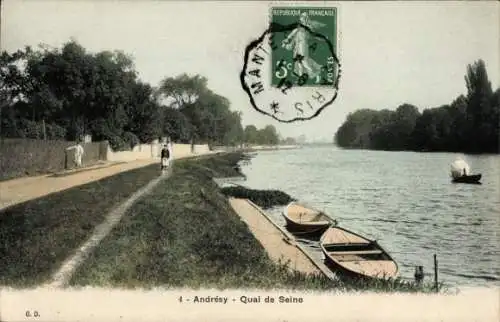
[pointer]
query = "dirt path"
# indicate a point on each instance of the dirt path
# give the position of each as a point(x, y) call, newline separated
point(70, 265)
point(23, 189)
point(276, 243)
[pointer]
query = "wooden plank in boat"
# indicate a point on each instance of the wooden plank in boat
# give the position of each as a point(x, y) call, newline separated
point(356, 252)
point(345, 244)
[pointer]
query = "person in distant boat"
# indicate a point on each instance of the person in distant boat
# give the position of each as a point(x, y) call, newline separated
point(165, 156)
point(465, 172)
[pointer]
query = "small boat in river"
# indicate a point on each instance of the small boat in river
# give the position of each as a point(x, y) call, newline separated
point(475, 178)
point(304, 220)
point(460, 173)
point(356, 256)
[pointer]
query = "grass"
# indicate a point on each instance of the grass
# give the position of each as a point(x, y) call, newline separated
point(37, 236)
point(387, 285)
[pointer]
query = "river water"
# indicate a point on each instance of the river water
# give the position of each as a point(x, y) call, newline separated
point(404, 200)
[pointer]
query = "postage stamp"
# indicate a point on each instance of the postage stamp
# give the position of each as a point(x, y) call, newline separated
point(292, 71)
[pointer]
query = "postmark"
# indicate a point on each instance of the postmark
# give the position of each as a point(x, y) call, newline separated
point(292, 71)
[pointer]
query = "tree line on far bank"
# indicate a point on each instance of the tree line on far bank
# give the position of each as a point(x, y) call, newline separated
point(469, 124)
point(65, 93)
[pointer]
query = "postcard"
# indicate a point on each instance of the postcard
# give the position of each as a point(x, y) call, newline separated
point(249, 161)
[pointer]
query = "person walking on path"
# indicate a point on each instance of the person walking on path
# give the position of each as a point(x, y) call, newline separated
point(165, 156)
point(74, 153)
point(79, 154)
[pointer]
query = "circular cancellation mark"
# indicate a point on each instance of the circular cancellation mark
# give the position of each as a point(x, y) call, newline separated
point(291, 72)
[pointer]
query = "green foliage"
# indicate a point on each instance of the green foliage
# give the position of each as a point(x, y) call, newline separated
point(177, 126)
point(265, 136)
point(469, 124)
point(35, 130)
point(288, 141)
point(131, 139)
point(117, 143)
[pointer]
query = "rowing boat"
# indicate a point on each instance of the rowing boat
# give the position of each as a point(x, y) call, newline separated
point(306, 220)
point(460, 173)
point(356, 256)
point(474, 179)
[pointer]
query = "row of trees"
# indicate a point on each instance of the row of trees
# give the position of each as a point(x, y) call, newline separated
point(266, 135)
point(66, 93)
point(469, 124)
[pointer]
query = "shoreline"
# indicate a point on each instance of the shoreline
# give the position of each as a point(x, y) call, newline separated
point(256, 148)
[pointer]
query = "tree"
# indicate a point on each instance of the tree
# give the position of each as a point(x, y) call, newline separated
point(177, 126)
point(208, 113)
point(250, 134)
point(289, 141)
point(481, 129)
point(82, 92)
point(68, 91)
point(234, 134)
point(269, 135)
point(183, 89)
point(469, 124)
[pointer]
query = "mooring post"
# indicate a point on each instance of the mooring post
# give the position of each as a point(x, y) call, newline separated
point(419, 274)
point(436, 285)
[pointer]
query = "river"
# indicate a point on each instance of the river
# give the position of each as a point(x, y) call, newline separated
point(404, 200)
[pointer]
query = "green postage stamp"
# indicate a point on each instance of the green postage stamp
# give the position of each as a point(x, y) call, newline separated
point(304, 53)
point(292, 71)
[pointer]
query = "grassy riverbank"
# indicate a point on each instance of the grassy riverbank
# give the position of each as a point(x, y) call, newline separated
point(38, 235)
point(185, 234)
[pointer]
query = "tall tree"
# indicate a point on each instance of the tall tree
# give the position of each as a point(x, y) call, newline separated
point(479, 109)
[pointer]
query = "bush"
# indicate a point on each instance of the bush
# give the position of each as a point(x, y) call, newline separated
point(55, 132)
point(117, 143)
point(131, 139)
point(262, 198)
point(34, 130)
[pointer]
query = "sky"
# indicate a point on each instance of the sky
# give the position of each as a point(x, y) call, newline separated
point(391, 52)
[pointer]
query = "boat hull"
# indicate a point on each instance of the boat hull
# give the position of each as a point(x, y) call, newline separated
point(310, 229)
point(473, 179)
point(388, 268)
point(305, 225)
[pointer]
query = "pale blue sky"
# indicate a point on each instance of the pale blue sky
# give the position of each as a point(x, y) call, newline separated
point(391, 52)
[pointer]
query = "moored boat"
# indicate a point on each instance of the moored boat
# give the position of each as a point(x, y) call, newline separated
point(356, 256)
point(305, 220)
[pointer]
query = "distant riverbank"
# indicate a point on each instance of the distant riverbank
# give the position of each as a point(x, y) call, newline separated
point(251, 148)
